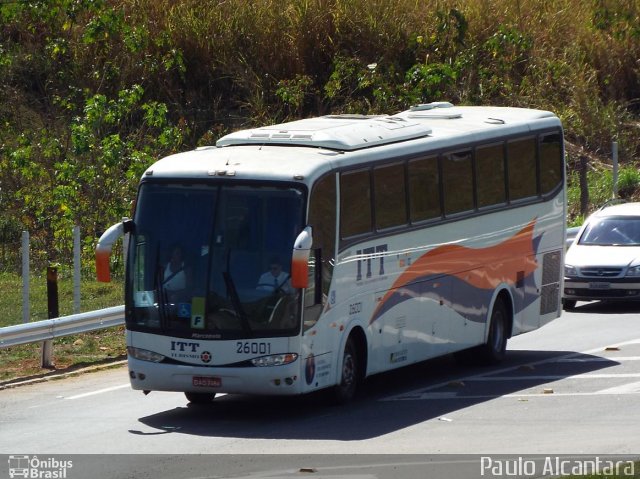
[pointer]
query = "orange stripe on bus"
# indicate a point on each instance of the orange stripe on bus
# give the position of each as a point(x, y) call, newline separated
point(483, 268)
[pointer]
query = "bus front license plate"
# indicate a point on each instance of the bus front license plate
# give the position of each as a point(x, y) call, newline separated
point(206, 382)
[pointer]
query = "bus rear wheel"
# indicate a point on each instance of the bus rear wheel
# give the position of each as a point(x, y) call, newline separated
point(494, 350)
point(346, 390)
point(200, 398)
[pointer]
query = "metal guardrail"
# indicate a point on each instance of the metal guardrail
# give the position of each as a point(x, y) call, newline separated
point(64, 326)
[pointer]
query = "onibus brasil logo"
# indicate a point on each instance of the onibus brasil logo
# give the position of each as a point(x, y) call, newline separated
point(34, 467)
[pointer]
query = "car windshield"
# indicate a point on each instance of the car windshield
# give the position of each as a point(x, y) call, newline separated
point(614, 230)
point(212, 261)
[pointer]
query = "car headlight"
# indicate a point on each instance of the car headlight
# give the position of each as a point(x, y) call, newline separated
point(634, 271)
point(570, 270)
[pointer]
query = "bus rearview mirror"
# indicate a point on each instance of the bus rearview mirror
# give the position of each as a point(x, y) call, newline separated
point(300, 259)
point(103, 251)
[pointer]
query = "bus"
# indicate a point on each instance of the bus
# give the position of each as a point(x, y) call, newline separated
point(312, 254)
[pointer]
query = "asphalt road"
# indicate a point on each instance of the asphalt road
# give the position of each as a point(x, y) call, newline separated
point(569, 388)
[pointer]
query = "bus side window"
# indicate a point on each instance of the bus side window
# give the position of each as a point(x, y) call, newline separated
point(457, 179)
point(490, 175)
point(424, 189)
point(389, 196)
point(522, 168)
point(322, 217)
point(355, 203)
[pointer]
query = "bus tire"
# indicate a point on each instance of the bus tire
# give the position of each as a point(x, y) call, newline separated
point(494, 350)
point(346, 390)
point(200, 398)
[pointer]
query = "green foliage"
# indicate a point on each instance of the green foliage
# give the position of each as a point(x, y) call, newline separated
point(431, 81)
point(294, 92)
point(628, 181)
point(93, 91)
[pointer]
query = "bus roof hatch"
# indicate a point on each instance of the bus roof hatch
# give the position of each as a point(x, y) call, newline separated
point(335, 132)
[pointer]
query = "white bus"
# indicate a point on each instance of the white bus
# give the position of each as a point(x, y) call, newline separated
point(312, 254)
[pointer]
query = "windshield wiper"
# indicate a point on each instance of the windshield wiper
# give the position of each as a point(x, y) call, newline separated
point(235, 301)
point(162, 294)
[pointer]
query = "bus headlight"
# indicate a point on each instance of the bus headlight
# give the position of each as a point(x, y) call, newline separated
point(144, 355)
point(274, 360)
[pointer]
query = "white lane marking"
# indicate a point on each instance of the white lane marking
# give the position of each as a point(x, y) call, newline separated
point(552, 377)
point(453, 395)
point(424, 393)
point(631, 388)
point(99, 391)
point(625, 389)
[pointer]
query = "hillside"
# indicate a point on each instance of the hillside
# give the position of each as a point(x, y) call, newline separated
point(93, 91)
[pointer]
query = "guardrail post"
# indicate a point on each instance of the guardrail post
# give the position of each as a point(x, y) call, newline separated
point(53, 312)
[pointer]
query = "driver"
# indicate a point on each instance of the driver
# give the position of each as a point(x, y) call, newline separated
point(275, 279)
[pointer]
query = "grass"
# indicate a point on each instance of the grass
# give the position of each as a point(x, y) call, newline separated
point(70, 352)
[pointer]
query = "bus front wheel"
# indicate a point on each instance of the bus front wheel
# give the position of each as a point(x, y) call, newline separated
point(346, 390)
point(200, 398)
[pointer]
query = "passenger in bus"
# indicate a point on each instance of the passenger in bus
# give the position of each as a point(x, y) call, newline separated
point(275, 279)
point(174, 277)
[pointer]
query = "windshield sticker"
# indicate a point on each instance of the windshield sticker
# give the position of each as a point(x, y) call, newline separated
point(197, 312)
point(184, 310)
point(143, 299)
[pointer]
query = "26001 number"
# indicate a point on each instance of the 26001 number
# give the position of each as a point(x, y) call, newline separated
point(246, 347)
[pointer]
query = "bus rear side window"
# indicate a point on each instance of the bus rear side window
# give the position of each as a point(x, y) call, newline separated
point(550, 162)
point(355, 203)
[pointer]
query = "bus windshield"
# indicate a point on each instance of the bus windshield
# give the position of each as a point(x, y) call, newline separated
point(213, 261)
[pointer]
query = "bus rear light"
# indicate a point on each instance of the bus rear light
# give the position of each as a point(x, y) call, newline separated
point(144, 355)
point(274, 360)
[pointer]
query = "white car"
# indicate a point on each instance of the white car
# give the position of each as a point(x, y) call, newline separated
point(603, 261)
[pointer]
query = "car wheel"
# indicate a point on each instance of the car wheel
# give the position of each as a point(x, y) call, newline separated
point(568, 304)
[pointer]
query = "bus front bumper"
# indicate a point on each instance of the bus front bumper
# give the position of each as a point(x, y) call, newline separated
point(267, 380)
